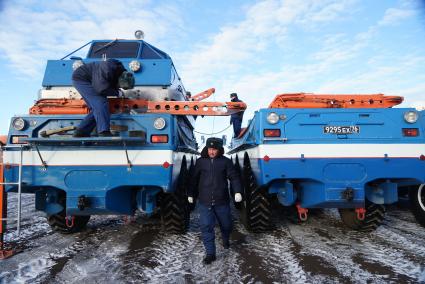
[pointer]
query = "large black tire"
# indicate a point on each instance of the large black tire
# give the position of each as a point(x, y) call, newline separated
point(174, 207)
point(58, 223)
point(417, 203)
point(374, 216)
point(256, 210)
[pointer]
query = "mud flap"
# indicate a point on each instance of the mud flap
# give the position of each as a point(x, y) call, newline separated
point(384, 193)
point(285, 192)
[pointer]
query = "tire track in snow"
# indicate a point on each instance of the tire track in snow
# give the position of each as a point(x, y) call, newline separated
point(381, 253)
point(276, 251)
point(337, 247)
point(412, 247)
point(178, 258)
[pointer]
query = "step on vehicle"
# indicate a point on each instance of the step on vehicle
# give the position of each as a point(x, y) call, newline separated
point(350, 152)
point(144, 166)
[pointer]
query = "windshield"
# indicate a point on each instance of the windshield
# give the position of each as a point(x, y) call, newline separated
point(114, 49)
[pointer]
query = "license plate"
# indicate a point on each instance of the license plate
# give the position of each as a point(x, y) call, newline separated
point(341, 129)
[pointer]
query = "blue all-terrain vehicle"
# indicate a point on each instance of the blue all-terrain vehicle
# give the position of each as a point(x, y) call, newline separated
point(331, 151)
point(144, 167)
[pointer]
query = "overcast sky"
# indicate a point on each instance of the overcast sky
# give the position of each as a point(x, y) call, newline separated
point(255, 48)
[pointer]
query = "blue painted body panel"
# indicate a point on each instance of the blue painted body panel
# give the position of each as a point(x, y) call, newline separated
point(305, 126)
point(109, 188)
point(320, 186)
point(154, 72)
point(320, 181)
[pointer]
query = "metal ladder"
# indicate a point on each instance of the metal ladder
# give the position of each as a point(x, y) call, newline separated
point(19, 184)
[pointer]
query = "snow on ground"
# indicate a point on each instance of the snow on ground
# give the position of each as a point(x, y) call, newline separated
point(111, 251)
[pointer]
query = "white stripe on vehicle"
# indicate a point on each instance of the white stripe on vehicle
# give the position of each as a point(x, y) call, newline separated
point(291, 151)
point(90, 158)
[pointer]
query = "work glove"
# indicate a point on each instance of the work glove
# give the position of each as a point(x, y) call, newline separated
point(190, 199)
point(238, 197)
point(120, 93)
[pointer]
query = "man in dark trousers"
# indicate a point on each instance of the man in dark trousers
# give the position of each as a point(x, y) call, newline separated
point(210, 177)
point(236, 118)
point(96, 81)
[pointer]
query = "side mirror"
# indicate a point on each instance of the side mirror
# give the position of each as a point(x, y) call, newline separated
point(203, 139)
point(224, 138)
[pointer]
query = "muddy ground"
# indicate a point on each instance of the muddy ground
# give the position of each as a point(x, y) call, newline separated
point(321, 250)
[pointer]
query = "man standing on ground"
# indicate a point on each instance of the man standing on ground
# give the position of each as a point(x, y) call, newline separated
point(236, 118)
point(95, 82)
point(211, 173)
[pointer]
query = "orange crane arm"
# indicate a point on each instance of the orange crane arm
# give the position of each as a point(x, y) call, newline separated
point(119, 105)
point(203, 95)
point(196, 108)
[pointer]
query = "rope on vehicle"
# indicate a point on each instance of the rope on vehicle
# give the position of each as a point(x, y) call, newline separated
point(213, 133)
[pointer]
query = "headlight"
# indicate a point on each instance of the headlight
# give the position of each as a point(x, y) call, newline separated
point(19, 123)
point(76, 64)
point(411, 116)
point(159, 123)
point(272, 118)
point(134, 65)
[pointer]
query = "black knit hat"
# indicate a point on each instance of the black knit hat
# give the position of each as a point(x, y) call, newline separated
point(213, 142)
point(233, 95)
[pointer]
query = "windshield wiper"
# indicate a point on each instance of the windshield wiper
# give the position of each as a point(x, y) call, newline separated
point(109, 44)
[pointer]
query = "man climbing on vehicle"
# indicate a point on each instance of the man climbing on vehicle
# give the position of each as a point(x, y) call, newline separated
point(236, 118)
point(211, 174)
point(96, 81)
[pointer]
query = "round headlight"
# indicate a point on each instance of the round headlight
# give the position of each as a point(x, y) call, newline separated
point(411, 116)
point(76, 64)
point(272, 118)
point(159, 123)
point(134, 65)
point(19, 123)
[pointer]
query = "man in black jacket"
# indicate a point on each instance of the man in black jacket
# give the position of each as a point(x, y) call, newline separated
point(211, 174)
point(236, 118)
point(96, 81)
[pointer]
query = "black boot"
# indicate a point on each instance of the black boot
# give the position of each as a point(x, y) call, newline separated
point(78, 134)
point(209, 258)
point(106, 134)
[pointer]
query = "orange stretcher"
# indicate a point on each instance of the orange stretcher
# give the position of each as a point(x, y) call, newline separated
point(309, 100)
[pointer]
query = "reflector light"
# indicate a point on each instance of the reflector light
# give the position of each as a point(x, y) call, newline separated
point(422, 158)
point(410, 132)
point(159, 138)
point(272, 132)
point(166, 165)
point(266, 158)
point(16, 139)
